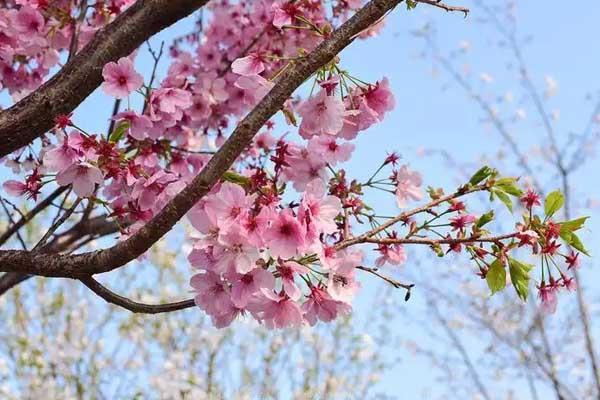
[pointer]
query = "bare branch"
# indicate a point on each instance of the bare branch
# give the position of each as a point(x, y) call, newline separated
point(133, 306)
point(443, 6)
point(31, 214)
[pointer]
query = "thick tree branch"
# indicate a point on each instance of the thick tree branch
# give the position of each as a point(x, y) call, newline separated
point(106, 260)
point(34, 115)
point(66, 242)
point(133, 306)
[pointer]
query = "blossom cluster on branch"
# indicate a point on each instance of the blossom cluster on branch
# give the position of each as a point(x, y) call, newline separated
point(282, 233)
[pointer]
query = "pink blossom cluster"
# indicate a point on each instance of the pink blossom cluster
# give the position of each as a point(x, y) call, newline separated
point(253, 244)
point(272, 234)
point(34, 33)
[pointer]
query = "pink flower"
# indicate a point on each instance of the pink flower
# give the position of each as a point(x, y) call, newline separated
point(64, 155)
point(235, 253)
point(245, 286)
point(170, 100)
point(547, 295)
point(286, 272)
point(279, 311)
point(526, 237)
point(321, 306)
point(319, 210)
point(321, 115)
point(380, 98)
point(330, 150)
point(284, 13)
point(462, 221)
point(82, 176)
point(29, 22)
point(120, 79)
point(285, 236)
point(252, 64)
point(146, 191)
point(255, 87)
point(15, 188)
point(572, 260)
point(530, 199)
point(569, 282)
point(228, 205)
point(138, 124)
point(212, 294)
point(202, 257)
point(408, 186)
point(342, 285)
point(392, 254)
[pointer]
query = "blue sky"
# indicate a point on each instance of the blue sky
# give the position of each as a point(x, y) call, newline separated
point(433, 113)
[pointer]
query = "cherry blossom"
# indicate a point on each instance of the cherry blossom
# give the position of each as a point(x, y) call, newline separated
point(120, 78)
point(83, 177)
point(408, 186)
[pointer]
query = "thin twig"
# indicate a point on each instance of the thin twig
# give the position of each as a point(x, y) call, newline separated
point(12, 223)
point(443, 6)
point(31, 214)
point(133, 306)
point(56, 225)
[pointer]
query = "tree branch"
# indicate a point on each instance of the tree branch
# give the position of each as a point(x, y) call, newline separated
point(67, 241)
point(34, 115)
point(76, 266)
point(133, 306)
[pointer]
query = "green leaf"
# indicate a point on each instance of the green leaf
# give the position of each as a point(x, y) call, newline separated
point(576, 243)
point(496, 277)
point(411, 4)
point(484, 219)
point(505, 199)
point(233, 177)
point(118, 133)
point(553, 203)
point(482, 174)
point(519, 275)
point(571, 226)
point(509, 185)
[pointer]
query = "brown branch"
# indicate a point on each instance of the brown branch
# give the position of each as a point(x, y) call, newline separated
point(439, 4)
point(56, 224)
point(133, 306)
point(404, 216)
point(391, 281)
point(123, 252)
point(434, 242)
point(34, 115)
point(67, 242)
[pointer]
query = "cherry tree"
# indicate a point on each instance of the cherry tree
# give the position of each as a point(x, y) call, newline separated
point(280, 227)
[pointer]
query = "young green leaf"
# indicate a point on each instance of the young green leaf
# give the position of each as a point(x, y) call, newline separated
point(505, 199)
point(509, 185)
point(496, 277)
point(519, 275)
point(553, 203)
point(576, 243)
point(118, 133)
point(484, 219)
point(481, 175)
point(572, 225)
